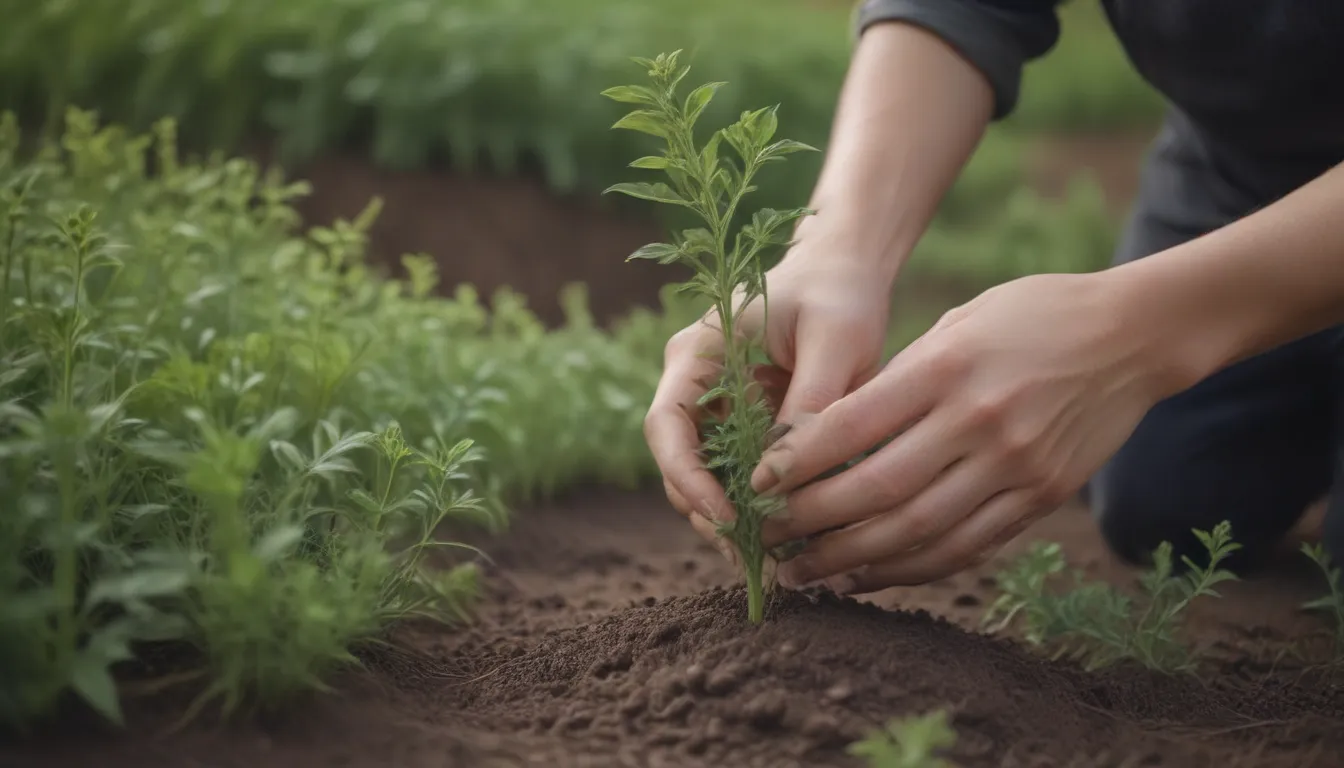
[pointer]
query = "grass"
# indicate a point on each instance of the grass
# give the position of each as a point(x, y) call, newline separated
point(912, 742)
point(222, 433)
point(1097, 624)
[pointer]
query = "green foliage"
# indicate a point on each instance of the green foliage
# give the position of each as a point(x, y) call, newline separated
point(912, 742)
point(1332, 604)
point(495, 83)
point(471, 83)
point(1099, 625)
point(726, 264)
point(221, 434)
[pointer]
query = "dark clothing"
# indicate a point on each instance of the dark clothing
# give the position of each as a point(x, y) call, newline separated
point(1256, 109)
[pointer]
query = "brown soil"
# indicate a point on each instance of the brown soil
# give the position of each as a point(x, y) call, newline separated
point(1112, 161)
point(612, 636)
point(494, 232)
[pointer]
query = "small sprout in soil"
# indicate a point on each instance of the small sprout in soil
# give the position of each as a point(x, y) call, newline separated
point(1333, 603)
point(1097, 624)
point(726, 263)
point(912, 742)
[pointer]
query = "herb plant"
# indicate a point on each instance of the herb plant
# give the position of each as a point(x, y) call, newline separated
point(1098, 624)
point(912, 742)
point(726, 262)
point(1331, 604)
point(224, 434)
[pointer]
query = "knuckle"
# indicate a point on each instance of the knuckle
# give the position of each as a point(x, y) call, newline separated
point(948, 363)
point(986, 411)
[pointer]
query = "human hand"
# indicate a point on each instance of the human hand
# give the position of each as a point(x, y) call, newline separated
point(824, 334)
point(1003, 409)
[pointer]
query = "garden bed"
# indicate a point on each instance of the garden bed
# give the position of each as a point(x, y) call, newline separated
point(612, 636)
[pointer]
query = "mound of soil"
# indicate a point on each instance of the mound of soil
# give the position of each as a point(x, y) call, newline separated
point(612, 636)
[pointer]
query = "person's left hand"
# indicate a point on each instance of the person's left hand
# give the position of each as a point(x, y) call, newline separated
point(1003, 409)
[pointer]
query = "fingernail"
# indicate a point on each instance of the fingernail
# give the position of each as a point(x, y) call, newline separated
point(842, 584)
point(793, 574)
point(765, 477)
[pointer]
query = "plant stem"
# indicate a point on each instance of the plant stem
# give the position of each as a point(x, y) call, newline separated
point(755, 593)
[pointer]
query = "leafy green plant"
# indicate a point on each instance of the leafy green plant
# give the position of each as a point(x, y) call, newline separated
point(1332, 604)
point(912, 742)
point(226, 435)
point(726, 264)
point(1098, 624)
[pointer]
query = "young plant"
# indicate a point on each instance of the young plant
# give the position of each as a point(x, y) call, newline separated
point(1100, 625)
point(912, 742)
point(726, 262)
point(1332, 604)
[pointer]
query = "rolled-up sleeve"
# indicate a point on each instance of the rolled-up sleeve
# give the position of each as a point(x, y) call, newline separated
point(998, 38)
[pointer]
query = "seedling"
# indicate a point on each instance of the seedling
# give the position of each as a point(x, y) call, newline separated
point(1332, 604)
point(726, 261)
point(912, 742)
point(1099, 625)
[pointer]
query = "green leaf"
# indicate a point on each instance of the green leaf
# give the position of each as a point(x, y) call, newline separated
point(91, 678)
point(657, 192)
point(277, 542)
point(138, 585)
point(697, 241)
point(663, 253)
point(651, 162)
point(698, 99)
point(644, 121)
point(783, 147)
point(631, 94)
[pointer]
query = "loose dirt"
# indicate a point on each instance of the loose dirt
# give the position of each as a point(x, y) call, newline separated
point(612, 636)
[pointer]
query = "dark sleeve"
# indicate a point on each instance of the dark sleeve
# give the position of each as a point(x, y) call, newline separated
point(998, 37)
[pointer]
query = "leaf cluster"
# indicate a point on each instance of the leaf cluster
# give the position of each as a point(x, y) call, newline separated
point(1331, 604)
point(912, 742)
point(711, 181)
point(1099, 625)
point(224, 434)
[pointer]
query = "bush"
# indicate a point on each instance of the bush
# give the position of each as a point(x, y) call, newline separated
point(219, 433)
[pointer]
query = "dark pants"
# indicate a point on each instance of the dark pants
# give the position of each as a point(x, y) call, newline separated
point(1254, 444)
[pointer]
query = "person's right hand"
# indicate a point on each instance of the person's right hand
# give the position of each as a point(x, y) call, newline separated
point(824, 335)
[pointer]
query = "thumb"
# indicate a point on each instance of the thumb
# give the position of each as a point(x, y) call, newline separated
point(827, 366)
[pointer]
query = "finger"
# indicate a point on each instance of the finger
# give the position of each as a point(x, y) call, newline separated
point(910, 464)
point(970, 543)
point(950, 499)
point(670, 427)
point(823, 370)
point(902, 393)
point(709, 532)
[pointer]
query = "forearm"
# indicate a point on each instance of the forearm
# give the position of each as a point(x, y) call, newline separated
point(909, 116)
point(1265, 280)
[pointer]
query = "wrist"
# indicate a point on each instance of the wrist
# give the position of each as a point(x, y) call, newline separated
point(1185, 335)
point(829, 241)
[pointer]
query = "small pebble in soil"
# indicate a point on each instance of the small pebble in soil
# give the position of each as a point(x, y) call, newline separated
point(788, 648)
point(966, 600)
point(649, 601)
point(723, 680)
point(766, 710)
point(678, 709)
point(694, 677)
point(839, 692)
point(824, 728)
